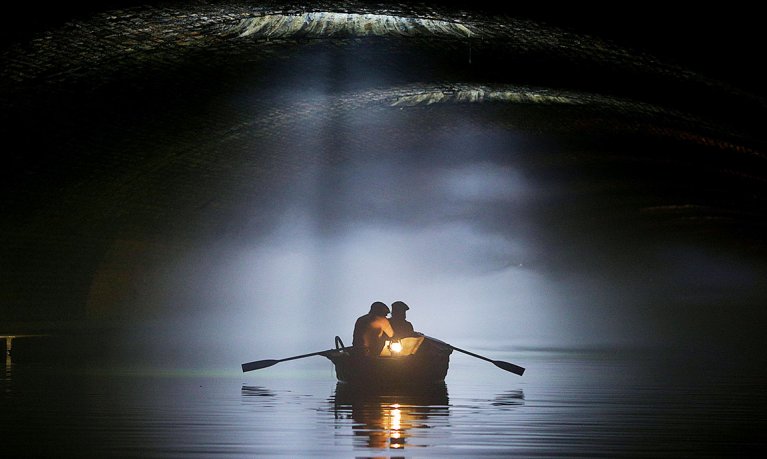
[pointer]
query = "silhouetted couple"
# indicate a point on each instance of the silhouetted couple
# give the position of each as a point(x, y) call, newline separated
point(373, 329)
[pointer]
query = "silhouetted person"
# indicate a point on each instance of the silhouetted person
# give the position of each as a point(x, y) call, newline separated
point(402, 328)
point(372, 330)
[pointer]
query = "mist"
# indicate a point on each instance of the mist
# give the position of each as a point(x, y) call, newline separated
point(463, 225)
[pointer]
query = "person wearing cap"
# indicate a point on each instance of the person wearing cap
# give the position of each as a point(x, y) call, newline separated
point(402, 328)
point(372, 330)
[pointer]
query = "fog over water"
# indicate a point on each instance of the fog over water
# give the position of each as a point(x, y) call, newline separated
point(461, 223)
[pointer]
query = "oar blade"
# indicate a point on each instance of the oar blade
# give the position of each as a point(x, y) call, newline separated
point(516, 369)
point(257, 365)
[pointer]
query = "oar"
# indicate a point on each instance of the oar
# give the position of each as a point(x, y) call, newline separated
point(516, 369)
point(259, 364)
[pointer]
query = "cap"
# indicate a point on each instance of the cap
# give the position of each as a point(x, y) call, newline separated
point(399, 305)
point(378, 308)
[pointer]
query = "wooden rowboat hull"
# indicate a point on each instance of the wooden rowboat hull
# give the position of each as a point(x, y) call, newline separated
point(428, 366)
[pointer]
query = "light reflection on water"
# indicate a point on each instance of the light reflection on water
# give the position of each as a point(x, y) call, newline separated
point(594, 405)
point(391, 419)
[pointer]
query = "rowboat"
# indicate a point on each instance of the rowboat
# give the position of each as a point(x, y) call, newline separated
point(408, 362)
point(412, 362)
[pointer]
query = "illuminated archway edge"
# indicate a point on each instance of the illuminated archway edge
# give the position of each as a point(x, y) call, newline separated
point(329, 24)
point(681, 126)
point(163, 36)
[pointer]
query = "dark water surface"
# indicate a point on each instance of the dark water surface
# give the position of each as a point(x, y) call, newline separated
point(589, 404)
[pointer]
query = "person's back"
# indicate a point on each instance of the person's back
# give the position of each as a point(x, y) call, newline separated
point(361, 328)
point(372, 330)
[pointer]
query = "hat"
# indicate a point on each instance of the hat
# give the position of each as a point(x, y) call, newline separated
point(397, 305)
point(378, 308)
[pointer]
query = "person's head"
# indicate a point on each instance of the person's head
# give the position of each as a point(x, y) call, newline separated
point(398, 308)
point(379, 309)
